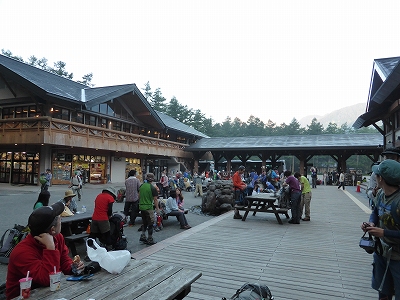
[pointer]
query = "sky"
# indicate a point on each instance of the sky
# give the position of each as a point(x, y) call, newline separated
point(275, 60)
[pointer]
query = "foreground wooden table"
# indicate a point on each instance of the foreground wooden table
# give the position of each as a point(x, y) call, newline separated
point(263, 202)
point(143, 280)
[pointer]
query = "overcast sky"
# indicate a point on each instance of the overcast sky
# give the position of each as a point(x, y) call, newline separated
point(275, 60)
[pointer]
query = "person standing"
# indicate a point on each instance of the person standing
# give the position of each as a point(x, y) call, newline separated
point(305, 195)
point(164, 183)
point(76, 184)
point(131, 207)
point(198, 185)
point(239, 187)
point(103, 207)
point(314, 178)
point(148, 199)
point(341, 180)
point(46, 184)
point(295, 196)
point(384, 224)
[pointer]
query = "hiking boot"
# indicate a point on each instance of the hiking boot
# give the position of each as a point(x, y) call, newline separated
point(237, 216)
point(143, 238)
point(151, 241)
point(306, 219)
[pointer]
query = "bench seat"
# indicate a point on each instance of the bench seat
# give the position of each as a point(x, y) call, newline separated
point(71, 239)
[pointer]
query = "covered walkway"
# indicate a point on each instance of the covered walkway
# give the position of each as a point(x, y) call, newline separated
point(304, 147)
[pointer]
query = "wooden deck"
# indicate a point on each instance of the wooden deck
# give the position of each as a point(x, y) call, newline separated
point(319, 259)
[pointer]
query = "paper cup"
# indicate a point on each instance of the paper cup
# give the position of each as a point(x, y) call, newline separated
point(55, 281)
point(25, 287)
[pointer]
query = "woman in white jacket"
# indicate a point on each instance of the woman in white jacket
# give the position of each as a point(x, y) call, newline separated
point(172, 209)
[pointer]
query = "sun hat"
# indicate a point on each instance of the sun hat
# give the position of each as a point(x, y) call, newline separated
point(69, 193)
point(111, 190)
point(42, 217)
point(389, 170)
point(391, 150)
point(150, 177)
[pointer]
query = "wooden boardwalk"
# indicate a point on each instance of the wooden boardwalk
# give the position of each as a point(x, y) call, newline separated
point(320, 259)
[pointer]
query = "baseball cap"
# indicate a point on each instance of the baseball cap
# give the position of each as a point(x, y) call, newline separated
point(389, 170)
point(392, 150)
point(242, 168)
point(42, 217)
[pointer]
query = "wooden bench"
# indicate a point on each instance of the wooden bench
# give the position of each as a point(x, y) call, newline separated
point(71, 239)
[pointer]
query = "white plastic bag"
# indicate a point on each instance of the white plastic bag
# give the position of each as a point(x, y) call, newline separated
point(113, 261)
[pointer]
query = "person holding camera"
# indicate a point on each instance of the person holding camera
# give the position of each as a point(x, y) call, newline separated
point(384, 223)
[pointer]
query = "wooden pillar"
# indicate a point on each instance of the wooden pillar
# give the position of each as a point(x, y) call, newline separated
point(196, 166)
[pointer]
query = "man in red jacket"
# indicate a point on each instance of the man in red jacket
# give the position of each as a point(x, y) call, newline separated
point(40, 252)
point(239, 187)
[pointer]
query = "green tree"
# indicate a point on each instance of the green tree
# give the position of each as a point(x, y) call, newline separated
point(254, 127)
point(8, 53)
point(270, 128)
point(148, 94)
point(315, 127)
point(157, 100)
point(59, 69)
point(87, 79)
point(332, 128)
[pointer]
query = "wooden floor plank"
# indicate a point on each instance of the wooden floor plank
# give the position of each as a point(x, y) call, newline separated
point(319, 259)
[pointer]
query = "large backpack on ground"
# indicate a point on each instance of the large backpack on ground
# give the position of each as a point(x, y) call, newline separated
point(10, 239)
point(117, 238)
point(252, 291)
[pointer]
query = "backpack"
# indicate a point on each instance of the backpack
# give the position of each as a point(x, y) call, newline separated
point(117, 238)
point(8, 242)
point(253, 291)
point(42, 179)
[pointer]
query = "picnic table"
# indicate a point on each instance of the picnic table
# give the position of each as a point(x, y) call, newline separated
point(140, 279)
point(74, 227)
point(263, 202)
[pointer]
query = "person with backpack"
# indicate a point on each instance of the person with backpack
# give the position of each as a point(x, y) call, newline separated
point(148, 199)
point(76, 184)
point(384, 224)
point(45, 180)
point(40, 252)
point(103, 207)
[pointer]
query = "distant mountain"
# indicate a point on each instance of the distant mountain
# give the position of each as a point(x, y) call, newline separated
point(347, 115)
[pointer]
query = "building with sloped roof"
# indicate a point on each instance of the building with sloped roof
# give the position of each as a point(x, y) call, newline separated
point(383, 103)
point(48, 121)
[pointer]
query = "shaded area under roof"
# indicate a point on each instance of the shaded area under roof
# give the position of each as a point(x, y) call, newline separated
point(289, 144)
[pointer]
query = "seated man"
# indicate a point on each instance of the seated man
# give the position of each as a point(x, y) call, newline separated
point(40, 252)
point(239, 187)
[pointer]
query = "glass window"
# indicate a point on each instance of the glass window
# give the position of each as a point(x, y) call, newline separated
point(103, 108)
point(77, 117)
point(90, 120)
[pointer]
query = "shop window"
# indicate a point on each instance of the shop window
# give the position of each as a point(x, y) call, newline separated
point(77, 117)
point(34, 111)
point(117, 126)
point(8, 113)
point(90, 120)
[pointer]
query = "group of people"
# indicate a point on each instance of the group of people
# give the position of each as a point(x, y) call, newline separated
point(45, 249)
point(300, 193)
point(384, 224)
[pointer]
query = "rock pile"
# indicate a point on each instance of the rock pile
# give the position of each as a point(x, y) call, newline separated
point(219, 197)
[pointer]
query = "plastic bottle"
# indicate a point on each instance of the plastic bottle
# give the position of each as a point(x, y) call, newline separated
point(83, 208)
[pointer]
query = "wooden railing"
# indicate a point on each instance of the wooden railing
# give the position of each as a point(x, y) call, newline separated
point(51, 130)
